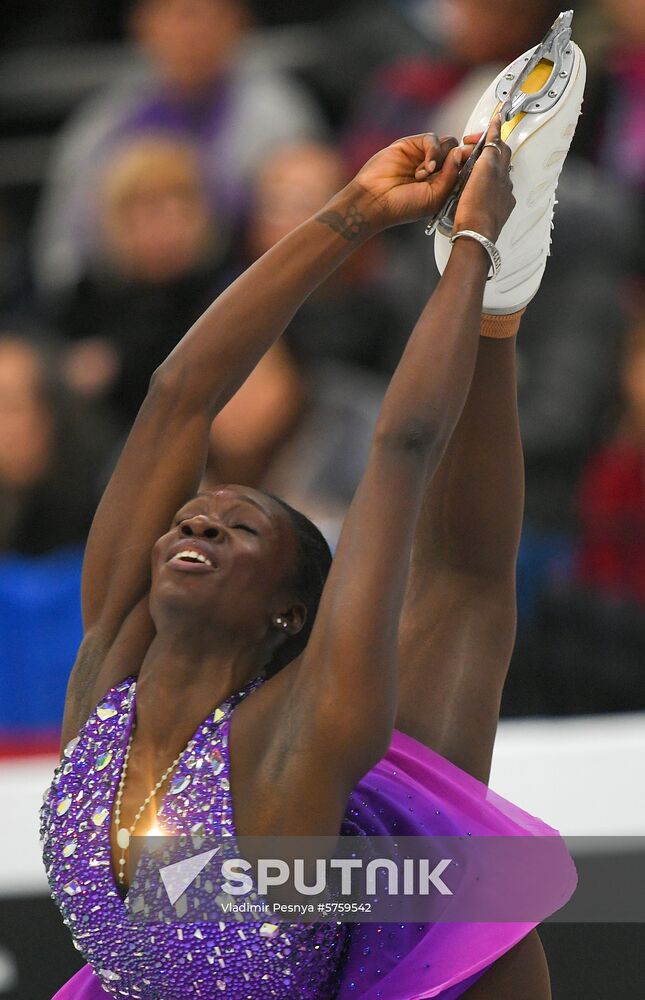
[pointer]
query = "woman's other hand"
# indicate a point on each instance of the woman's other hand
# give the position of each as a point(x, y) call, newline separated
point(410, 179)
point(487, 199)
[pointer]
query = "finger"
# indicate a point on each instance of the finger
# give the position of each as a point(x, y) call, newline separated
point(505, 150)
point(419, 149)
point(444, 181)
point(498, 155)
point(490, 164)
point(432, 156)
point(495, 145)
point(431, 152)
point(446, 143)
point(494, 129)
point(472, 139)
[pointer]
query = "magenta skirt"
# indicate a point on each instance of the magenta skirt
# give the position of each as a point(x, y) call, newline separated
point(414, 791)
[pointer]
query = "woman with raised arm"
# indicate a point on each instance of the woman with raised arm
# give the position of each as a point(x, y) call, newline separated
point(233, 679)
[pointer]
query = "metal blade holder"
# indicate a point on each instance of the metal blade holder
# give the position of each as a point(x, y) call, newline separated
point(554, 47)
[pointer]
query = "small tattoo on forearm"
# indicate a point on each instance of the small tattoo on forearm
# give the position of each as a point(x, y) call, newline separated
point(350, 226)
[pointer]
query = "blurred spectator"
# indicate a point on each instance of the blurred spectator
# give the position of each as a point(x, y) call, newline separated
point(583, 649)
point(156, 270)
point(612, 494)
point(612, 129)
point(568, 349)
point(473, 40)
point(303, 436)
point(571, 334)
point(350, 317)
point(198, 85)
point(570, 340)
point(52, 453)
point(155, 212)
point(290, 186)
point(355, 39)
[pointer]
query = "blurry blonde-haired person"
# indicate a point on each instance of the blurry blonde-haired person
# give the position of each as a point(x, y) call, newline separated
point(204, 78)
point(156, 221)
point(156, 269)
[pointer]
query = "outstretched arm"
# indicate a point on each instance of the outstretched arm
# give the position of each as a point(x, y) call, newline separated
point(164, 457)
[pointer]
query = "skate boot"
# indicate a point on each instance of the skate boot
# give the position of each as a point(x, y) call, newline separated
point(539, 97)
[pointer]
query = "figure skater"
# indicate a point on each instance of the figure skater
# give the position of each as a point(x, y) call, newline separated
point(233, 678)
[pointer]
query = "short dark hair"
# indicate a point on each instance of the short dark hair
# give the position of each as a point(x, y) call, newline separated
point(308, 581)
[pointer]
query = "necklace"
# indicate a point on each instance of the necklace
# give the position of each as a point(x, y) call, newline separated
point(123, 833)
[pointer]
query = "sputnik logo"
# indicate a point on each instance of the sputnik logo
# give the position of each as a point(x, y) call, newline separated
point(181, 874)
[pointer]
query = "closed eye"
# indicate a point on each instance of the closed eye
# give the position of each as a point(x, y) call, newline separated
point(246, 527)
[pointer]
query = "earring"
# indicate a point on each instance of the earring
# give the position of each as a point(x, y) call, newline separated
point(282, 621)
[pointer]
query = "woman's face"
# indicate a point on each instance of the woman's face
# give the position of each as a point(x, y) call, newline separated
point(225, 562)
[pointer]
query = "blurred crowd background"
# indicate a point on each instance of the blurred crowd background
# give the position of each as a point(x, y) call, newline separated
point(151, 149)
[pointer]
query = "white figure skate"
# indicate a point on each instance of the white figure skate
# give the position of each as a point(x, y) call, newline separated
point(539, 97)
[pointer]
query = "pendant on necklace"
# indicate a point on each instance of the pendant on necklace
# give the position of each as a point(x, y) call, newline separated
point(123, 838)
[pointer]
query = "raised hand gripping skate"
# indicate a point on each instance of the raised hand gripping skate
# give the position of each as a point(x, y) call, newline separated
point(532, 84)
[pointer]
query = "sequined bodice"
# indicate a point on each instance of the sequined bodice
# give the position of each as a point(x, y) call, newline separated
point(153, 960)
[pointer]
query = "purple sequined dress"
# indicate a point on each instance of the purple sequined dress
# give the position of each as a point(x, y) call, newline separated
point(410, 791)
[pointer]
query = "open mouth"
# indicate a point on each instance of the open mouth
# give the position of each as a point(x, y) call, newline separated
point(191, 559)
